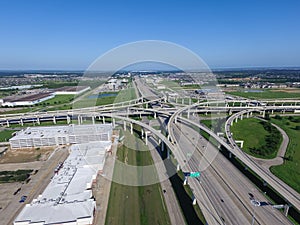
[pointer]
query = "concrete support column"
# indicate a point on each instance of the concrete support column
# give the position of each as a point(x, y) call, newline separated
point(162, 146)
point(264, 114)
point(54, 120)
point(155, 115)
point(38, 121)
point(178, 167)
point(131, 128)
point(272, 112)
point(230, 112)
point(190, 101)
point(78, 118)
point(113, 122)
point(241, 104)
point(182, 101)
point(176, 100)
point(146, 137)
point(286, 210)
point(103, 120)
point(241, 116)
point(236, 119)
point(81, 119)
point(93, 119)
point(185, 182)
point(21, 122)
point(247, 115)
point(168, 153)
point(68, 120)
point(251, 113)
point(142, 133)
point(230, 155)
point(7, 123)
point(188, 113)
point(194, 201)
point(124, 125)
point(231, 123)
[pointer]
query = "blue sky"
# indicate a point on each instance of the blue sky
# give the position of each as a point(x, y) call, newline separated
point(64, 34)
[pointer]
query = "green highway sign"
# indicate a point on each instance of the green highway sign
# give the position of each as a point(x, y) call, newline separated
point(195, 174)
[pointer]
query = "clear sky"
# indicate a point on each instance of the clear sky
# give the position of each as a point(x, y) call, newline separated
point(70, 34)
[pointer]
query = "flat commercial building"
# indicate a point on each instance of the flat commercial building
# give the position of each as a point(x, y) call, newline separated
point(61, 135)
point(27, 100)
point(68, 198)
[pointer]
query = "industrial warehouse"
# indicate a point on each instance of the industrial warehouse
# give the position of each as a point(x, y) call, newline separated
point(68, 198)
point(60, 135)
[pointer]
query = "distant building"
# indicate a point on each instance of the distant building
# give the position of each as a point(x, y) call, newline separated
point(68, 199)
point(71, 90)
point(60, 135)
point(27, 100)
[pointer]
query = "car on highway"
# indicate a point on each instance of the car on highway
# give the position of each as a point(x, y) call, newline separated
point(23, 198)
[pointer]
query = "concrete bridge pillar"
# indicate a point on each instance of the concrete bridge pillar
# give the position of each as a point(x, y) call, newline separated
point(188, 113)
point(272, 112)
point(247, 114)
point(206, 113)
point(103, 120)
point(21, 122)
point(230, 112)
point(113, 122)
point(142, 133)
point(241, 116)
point(241, 104)
point(182, 101)
point(124, 125)
point(178, 167)
point(194, 201)
point(81, 118)
point(286, 210)
point(54, 120)
point(155, 115)
point(233, 104)
point(251, 113)
point(146, 137)
point(176, 99)
point(190, 101)
point(7, 123)
point(236, 119)
point(93, 119)
point(68, 120)
point(231, 123)
point(38, 121)
point(230, 155)
point(131, 128)
point(168, 153)
point(78, 118)
point(185, 182)
point(146, 105)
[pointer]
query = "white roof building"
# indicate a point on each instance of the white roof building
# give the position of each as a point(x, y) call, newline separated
point(61, 135)
point(68, 198)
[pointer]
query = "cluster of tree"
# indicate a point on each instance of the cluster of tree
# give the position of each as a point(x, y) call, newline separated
point(14, 176)
point(272, 141)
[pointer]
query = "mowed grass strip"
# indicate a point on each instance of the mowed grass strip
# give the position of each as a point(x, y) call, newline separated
point(138, 205)
point(265, 94)
point(5, 135)
point(252, 132)
point(289, 171)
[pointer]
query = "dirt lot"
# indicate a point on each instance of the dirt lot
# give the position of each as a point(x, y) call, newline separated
point(26, 155)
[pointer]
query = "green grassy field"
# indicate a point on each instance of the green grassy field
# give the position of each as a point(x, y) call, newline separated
point(252, 132)
point(5, 135)
point(14, 176)
point(266, 94)
point(59, 99)
point(138, 205)
point(289, 171)
point(126, 95)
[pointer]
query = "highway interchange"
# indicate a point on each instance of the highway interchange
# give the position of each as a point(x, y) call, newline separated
point(222, 192)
